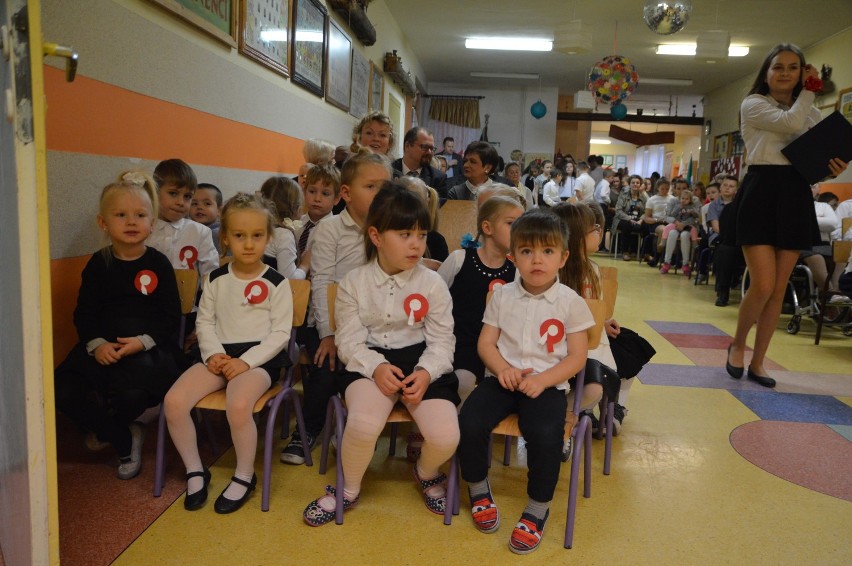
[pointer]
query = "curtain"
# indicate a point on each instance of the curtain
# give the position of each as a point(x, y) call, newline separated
point(440, 129)
point(462, 112)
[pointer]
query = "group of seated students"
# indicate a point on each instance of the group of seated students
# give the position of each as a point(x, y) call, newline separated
point(411, 330)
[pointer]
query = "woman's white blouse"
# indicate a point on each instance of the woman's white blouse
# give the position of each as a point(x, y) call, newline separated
point(769, 126)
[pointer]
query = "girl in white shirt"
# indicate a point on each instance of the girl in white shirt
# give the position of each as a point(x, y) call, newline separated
point(395, 335)
point(244, 323)
point(286, 195)
point(778, 109)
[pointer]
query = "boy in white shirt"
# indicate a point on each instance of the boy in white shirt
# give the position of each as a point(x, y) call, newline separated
point(187, 243)
point(322, 193)
point(533, 340)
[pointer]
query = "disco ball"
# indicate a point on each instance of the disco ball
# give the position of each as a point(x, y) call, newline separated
point(667, 17)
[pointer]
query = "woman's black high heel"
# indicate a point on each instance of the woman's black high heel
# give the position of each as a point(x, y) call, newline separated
point(196, 500)
point(734, 371)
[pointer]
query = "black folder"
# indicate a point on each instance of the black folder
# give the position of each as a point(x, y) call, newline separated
point(811, 152)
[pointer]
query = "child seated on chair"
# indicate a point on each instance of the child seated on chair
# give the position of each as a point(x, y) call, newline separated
point(244, 323)
point(683, 218)
point(127, 320)
point(322, 193)
point(395, 335)
point(533, 340)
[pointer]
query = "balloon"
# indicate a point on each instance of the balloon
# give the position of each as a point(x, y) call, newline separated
point(667, 17)
point(618, 111)
point(613, 79)
point(538, 110)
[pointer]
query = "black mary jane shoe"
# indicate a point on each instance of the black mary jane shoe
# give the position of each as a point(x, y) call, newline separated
point(734, 371)
point(196, 500)
point(760, 379)
point(223, 505)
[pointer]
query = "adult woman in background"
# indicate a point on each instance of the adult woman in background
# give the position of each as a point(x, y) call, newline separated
point(775, 215)
point(629, 211)
point(375, 132)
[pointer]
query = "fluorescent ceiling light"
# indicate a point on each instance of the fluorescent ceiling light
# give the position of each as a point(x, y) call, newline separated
point(667, 82)
point(270, 35)
point(689, 49)
point(482, 75)
point(509, 43)
point(309, 35)
point(600, 141)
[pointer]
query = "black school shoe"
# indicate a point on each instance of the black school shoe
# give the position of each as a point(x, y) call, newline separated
point(196, 500)
point(223, 505)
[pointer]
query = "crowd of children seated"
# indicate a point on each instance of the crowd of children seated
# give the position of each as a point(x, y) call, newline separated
point(489, 326)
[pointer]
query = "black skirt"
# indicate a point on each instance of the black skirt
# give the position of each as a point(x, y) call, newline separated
point(445, 387)
point(774, 207)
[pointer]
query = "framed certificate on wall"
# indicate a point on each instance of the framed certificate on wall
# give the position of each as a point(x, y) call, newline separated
point(309, 39)
point(338, 67)
point(265, 33)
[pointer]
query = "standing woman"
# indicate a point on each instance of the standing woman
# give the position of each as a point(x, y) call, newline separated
point(778, 109)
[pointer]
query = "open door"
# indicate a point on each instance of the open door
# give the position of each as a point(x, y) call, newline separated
point(29, 518)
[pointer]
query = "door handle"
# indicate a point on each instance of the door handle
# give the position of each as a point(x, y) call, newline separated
point(70, 56)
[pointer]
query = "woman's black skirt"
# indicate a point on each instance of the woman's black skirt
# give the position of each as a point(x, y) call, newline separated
point(774, 207)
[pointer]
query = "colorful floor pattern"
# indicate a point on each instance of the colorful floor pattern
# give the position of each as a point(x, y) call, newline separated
point(803, 438)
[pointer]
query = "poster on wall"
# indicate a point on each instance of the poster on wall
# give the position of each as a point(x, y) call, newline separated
point(377, 88)
point(265, 33)
point(727, 166)
point(217, 19)
point(359, 100)
point(308, 42)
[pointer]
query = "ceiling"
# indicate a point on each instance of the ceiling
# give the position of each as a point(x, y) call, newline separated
point(436, 31)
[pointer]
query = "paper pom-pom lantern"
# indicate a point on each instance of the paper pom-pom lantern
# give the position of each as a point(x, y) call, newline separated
point(613, 79)
point(538, 110)
point(618, 111)
point(667, 17)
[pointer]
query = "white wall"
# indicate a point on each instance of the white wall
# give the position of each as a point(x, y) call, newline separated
point(510, 121)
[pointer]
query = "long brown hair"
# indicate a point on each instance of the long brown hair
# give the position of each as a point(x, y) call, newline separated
point(578, 272)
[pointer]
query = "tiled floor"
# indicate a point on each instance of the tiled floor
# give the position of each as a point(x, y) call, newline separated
point(708, 470)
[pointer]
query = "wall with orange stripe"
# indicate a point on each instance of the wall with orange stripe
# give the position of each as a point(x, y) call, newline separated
point(151, 87)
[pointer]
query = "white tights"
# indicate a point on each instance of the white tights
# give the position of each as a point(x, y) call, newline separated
point(242, 392)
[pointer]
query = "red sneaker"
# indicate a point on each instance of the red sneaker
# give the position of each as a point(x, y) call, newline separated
point(527, 534)
point(485, 514)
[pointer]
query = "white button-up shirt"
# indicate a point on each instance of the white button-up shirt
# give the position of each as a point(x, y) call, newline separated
point(768, 126)
point(533, 328)
point(374, 309)
point(187, 243)
point(337, 247)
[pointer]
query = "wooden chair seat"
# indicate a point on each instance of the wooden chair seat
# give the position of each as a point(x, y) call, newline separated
point(216, 400)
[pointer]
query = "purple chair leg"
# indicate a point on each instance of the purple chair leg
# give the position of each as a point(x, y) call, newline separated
point(452, 492)
point(507, 451)
point(579, 433)
point(608, 446)
point(326, 435)
point(159, 463)
point(394, 430)
point(587, 452)
point(340, 419)
point(286, 394)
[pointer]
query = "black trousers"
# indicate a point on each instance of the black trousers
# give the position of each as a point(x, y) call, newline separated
point(541, 420)
point(728, 263)
point(319, 385)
